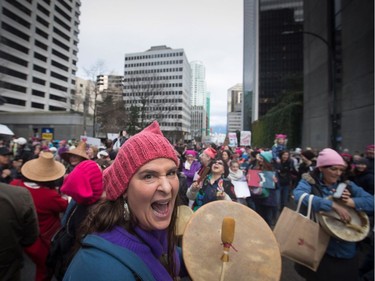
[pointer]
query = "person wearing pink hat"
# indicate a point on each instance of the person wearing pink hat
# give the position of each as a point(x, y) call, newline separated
point(190, 166)
point(279, 145)
point(85, 186)
point(130, 233)
point(340, 260)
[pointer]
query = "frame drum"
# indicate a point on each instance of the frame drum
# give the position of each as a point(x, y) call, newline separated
point(255, 254)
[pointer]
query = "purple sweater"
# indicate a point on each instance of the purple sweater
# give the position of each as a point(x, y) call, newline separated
point(148, 245)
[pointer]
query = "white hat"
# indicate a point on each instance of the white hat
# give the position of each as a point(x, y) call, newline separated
point(20, 141)
point(297, 151)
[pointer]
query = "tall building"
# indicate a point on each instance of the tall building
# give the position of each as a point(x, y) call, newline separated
point(334, 42)
point(158, 82)
point(85, 95)
point(273, 62)
point(339, 75)
point(38, 51)
point(110, 82)
point(199, 114)
point(234, 108)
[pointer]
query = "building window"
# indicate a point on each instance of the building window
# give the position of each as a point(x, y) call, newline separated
point(41, 33)
point(38, 93)
point(58, 76)
point(14, 45)
point(37, 105)
point(15, 101)
point(59, 65)
point(60, 44)
point(56, 108)
point(39, 81)
point(41, 45)
point(42, 9)
point(39, 68)
point(15, 31)
point(40, 57)
point(42, 21)
point(12, 58)
point(57, 98)
point(16, 18)
point(12, 72)
point(58, 87)
point(61, 56)
point(13, 87)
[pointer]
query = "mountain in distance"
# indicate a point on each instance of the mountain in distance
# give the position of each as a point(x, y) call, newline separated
point(219, 129)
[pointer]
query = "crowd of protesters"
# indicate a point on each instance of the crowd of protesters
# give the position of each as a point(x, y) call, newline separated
point(206, 173)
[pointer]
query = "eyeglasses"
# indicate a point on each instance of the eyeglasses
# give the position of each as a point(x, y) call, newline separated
point(219, 162)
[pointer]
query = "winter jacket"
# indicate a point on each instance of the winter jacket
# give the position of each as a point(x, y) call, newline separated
point(19, 228)
point(363, 202)
point(101, 260)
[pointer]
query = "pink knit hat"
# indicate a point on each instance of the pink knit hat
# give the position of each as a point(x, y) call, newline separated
point(190, 152)
point(85, 183)
point(329, 157)
point(148, 145)
point(210, 152)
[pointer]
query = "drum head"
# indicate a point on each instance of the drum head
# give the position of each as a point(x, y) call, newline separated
point(257, 256)
point(184, 214)
point(333, 226)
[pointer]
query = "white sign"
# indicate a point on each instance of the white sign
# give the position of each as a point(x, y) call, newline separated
point(241, 189)
point(232, 139)
point(91, 141)
point(245, 138)
point(111, 136)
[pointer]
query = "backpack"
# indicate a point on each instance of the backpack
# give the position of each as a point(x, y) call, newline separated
point(60, 254)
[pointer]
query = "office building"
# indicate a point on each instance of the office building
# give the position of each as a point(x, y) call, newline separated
point(338, 67)
point(234, 108)
point(199, 117)
point(339, 75)
point(273, 62)
point(158, 82)
point(38, 51)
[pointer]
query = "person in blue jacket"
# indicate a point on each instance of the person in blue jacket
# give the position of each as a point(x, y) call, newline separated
point(129, 235)
point(340, 261)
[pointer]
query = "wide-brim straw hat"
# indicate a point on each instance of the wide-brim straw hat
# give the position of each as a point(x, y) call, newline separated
point(80, 151)
point(255, 250)
point(43, 169)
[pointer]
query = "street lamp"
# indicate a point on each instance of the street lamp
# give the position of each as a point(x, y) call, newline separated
point(331, 54)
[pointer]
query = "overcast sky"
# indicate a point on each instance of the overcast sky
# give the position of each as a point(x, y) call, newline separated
point(208, 30)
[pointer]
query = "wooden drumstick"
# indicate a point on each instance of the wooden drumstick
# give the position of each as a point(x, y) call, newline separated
point(227, 237)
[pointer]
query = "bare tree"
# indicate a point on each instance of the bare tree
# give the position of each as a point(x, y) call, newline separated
point(146, 92)
point(93, 94)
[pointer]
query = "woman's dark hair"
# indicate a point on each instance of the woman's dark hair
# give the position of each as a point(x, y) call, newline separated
point(228, 152)
point(105, 215)
point(50, 184)
point(282, 152)
point(226, 167)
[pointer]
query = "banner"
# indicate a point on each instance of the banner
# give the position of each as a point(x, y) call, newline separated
point(258, 178)
point(232, 139)
point(245, 138)
point(112, 136)
point(91, 141)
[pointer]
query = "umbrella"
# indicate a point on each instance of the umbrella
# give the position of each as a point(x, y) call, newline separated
point(4, 130)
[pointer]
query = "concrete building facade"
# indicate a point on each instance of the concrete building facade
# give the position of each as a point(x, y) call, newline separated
point(39, 47)
point(158, 81)
point(234, 108)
